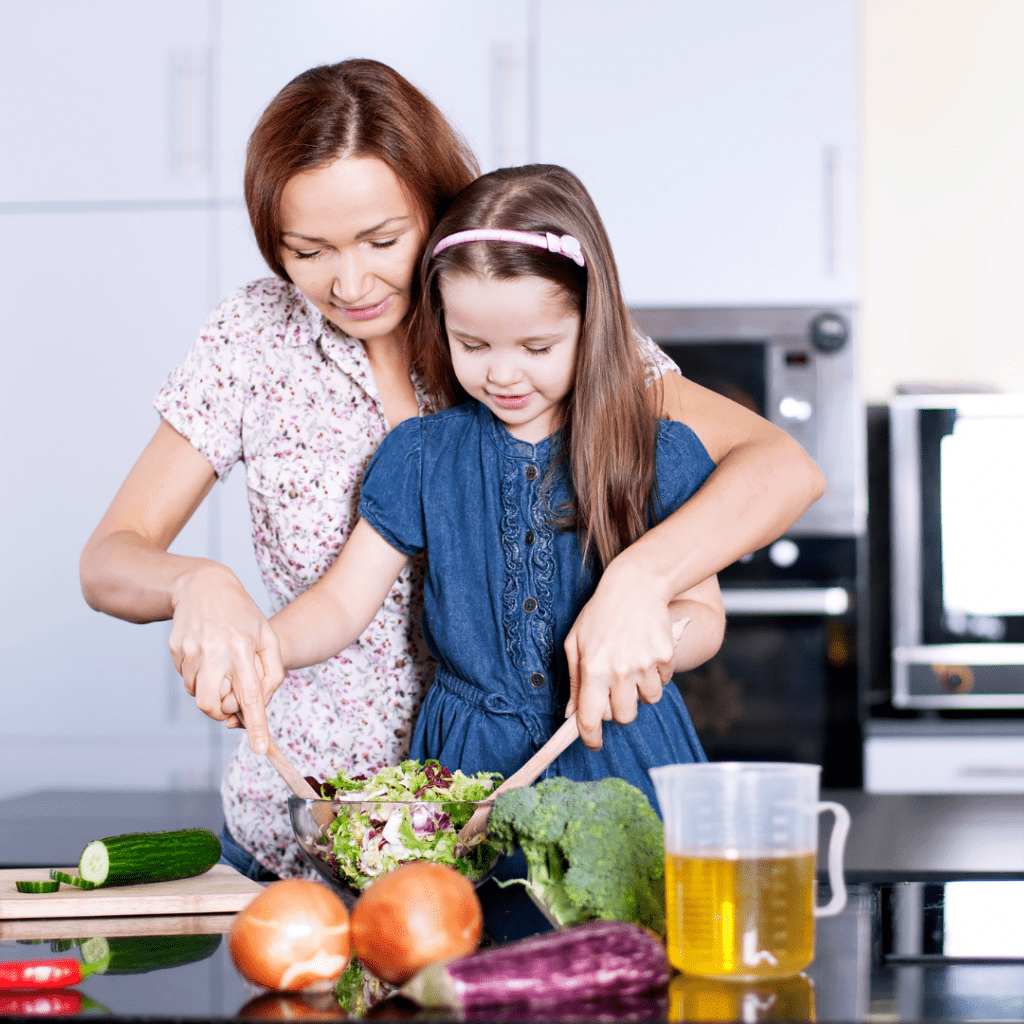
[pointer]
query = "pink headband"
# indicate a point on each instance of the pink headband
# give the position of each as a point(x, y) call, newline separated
point(566, 245)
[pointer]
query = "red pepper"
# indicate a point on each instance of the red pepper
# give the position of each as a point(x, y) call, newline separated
point(34, 974)
point(56, 1003)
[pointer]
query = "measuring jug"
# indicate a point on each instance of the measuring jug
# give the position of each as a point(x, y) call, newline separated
point(741, 843)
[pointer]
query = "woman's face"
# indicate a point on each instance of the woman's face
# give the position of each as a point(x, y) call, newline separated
point(351, 240)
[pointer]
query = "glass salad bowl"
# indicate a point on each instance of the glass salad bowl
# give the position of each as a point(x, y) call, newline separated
point(349, 842)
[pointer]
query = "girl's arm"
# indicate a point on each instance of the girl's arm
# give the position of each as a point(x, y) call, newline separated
point(330, 615)
point(219, 632)
point(763, 482)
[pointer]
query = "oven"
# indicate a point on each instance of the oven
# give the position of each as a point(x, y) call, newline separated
point(786, 684)
point(957, 489)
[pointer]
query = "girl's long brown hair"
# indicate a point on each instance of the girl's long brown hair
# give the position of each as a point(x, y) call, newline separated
point(609, 430)
point(358, 108)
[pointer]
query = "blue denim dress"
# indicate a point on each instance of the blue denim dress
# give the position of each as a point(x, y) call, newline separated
point(503, 589)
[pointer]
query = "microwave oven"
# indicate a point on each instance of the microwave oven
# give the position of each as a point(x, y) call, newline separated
point(957, 551)
point(797, 367)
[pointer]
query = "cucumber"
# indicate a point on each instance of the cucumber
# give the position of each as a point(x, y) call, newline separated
point(138, 954)
point(138, 857)
point(35, 885)
point(63, 876)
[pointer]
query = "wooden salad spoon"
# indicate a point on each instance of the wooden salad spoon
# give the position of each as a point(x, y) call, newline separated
point(566, 733)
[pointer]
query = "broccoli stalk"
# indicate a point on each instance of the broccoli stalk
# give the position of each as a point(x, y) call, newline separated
point(593, 850)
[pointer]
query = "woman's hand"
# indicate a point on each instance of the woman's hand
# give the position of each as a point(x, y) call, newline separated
point(628, 641)
point(225, 649)
point(620, 651)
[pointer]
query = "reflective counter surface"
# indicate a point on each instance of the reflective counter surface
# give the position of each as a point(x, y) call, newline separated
point(947, 944)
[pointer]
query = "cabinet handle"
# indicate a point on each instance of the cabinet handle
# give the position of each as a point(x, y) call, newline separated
point(189, 121)
point(830, 207)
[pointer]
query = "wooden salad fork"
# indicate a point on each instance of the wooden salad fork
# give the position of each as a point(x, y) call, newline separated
point(566, 733)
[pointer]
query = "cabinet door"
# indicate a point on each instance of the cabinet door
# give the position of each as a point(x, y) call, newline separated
point(104, 100)
point(97, 309)
point(718, 140)
point(470, 58)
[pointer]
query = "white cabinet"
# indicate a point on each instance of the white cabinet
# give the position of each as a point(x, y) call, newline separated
point(104, 100)
point(97, 307)
point(719, 141)
point(944, 764)
point(470, 58)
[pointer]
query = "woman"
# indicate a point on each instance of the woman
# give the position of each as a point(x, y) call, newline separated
point(300, 377)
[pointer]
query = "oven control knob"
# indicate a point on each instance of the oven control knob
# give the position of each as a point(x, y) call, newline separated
point(829, 332)
point(783, 553)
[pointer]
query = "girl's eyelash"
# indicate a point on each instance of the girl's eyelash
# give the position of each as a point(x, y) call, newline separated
point(384, 245)
point(539, 351)
point(305, 255)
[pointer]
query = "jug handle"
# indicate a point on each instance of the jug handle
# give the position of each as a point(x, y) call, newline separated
point(836, 849)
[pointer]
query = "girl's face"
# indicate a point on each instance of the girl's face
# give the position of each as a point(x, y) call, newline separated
point(513, 345)
point(350, 240)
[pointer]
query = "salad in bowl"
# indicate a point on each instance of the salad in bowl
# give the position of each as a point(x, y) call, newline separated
point(411, 811)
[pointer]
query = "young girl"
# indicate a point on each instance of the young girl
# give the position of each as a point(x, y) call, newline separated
point(522, 494)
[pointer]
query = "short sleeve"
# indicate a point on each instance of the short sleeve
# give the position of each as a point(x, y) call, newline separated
point(204, 396)
point(656, 362)
point(683, 466)
point(391, 499)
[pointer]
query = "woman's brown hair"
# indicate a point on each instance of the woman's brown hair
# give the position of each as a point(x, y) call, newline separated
point(609, 431)
point(356, 108)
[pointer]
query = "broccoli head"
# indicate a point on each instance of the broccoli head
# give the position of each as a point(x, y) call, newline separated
point(593, 849)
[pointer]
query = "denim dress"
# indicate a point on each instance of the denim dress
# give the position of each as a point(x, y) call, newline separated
point(503, 589)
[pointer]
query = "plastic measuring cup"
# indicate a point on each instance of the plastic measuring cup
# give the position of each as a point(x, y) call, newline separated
point(741, 845)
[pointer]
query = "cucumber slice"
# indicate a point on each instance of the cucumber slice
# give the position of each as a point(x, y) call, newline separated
point(38, 885)
point(63, 876)
point(139, 857)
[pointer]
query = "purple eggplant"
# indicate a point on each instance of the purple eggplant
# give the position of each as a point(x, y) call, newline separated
point(585, 961)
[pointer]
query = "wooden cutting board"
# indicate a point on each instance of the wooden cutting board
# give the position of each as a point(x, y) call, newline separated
point(221, 890)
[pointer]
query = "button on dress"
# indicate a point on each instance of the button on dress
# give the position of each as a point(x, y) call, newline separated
point(504, 587)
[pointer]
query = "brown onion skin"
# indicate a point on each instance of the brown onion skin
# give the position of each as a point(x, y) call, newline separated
point(417, 914)
point(293, 936)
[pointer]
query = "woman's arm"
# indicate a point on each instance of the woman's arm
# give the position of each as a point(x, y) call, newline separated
point(330, 615)
point(763, 482)
point(220, 642)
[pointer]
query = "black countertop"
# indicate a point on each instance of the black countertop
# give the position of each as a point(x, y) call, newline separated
point(891, 955)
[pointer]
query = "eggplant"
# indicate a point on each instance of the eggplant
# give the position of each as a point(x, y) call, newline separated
point(586, 961)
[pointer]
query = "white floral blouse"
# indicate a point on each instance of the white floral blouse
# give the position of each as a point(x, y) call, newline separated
point(271, 383)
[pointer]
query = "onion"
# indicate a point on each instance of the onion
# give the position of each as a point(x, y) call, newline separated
point(415, 915)
point(294, 935)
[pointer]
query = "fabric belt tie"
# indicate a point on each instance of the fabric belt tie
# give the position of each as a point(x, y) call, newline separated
point(537, 725)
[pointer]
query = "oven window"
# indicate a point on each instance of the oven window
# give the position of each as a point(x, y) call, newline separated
point(781, 688)
point(972, 558)
point(735, 369)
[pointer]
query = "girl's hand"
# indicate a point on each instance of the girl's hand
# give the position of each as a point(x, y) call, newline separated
point(225, 649)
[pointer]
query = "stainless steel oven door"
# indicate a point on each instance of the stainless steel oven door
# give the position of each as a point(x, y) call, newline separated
point(784, 684)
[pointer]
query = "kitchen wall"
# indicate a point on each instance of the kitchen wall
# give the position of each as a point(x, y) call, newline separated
point(942, 192)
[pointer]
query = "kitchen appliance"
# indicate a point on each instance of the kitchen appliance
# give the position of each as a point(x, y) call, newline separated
point(945, 709)
point(785, 684)
point(957, 490)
